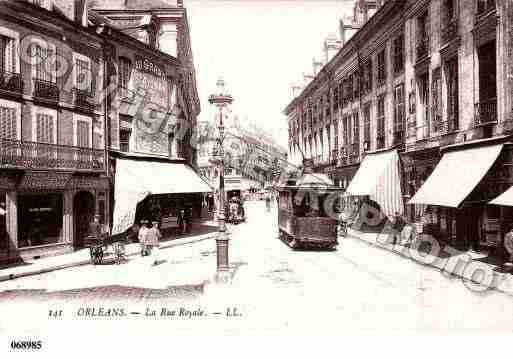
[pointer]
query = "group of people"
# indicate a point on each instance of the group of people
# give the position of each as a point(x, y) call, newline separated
point(149, 237)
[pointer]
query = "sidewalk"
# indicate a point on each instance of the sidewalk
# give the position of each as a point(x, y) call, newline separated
point(201, 232)
point(478, 269)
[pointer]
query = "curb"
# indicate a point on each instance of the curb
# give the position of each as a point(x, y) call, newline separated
point(493, 286)
point(7, 277)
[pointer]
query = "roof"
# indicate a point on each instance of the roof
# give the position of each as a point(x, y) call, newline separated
point(132, 4)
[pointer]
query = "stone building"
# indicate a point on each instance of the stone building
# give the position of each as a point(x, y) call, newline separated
point(64, 69)
point(52, 128)
point(430, 81)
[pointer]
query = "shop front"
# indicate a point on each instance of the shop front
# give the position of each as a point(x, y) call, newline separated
point(156, 188)
point(44, 213)
point(456, 195)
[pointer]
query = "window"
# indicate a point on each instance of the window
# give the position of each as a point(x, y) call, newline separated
point(43, 62)
point(436, 107)
point(335, 134)
point(82, 131)
point(380, 138)
point(82, 73)
point(7, 54)
point(356, 128)
point(8, 123)
point(346, 125)
point(399, 115)
point(399, 54)
point(125, 71)
point(44, 129)
point(452, 95)
point(422, 35)
point(367, 76)
point(44, 125)
point(356, 86)
point(366, 123)
point(382, 69)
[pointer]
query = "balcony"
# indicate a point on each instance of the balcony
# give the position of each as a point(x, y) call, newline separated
point(11, 82)
point(449, 126)
point(354, 152)
point(411, 129)
point(484, 7)
point(83, 99)
point(46, 90)
point(450, 31)
point(398, 137)
point(34, 155)
point(334, 157)
point(485, 113)
point(422, 49)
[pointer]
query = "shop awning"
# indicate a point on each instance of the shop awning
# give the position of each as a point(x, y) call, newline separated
point(456, 175)
point(136, 179)
point(505, 199)
point(379, 178)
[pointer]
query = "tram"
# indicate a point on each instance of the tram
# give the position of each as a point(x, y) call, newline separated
point(303, 204)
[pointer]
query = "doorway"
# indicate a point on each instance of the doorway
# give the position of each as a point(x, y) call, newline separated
point(83, 213)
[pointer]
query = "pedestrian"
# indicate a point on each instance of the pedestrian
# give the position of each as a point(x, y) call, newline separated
point(268, 202)
point(95, 230)
point(152, 241)
point(143, 230)
point(397, 227)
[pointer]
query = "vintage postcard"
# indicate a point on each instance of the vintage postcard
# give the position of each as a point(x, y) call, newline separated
point(309, 168)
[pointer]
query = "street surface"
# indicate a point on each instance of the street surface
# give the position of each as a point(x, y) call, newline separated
point(355, 288)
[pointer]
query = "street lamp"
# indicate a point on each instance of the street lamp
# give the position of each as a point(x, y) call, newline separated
point(221, 100)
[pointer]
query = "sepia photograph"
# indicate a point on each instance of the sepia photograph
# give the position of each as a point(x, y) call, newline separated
point(301, 169)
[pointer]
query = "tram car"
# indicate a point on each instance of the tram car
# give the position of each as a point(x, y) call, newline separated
point(302, 219)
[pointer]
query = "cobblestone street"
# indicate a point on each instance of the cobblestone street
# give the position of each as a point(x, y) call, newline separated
point(355, 288)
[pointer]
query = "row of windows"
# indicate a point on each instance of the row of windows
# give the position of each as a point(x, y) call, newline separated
point(45, 126)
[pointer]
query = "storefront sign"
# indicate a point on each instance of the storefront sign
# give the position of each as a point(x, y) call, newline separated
point(151, 119)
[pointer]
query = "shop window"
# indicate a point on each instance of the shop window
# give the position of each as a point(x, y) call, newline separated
point(39, 219)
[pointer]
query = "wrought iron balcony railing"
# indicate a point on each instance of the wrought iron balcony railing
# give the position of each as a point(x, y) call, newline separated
point(35, 155)
point(398, 136)
point(46, 90)
point(422, 48)
point(83, 98)
point(485, 112)
point(11, 82)
point(450, 31)
point(484, 7)
point(449, 126)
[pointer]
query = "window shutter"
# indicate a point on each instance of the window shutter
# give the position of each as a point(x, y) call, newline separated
point(8, 125)
point(83, 135)
point(45, 129)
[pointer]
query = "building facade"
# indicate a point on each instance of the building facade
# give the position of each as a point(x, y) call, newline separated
point(430, 80)
point(77, 91)
point(52, 123)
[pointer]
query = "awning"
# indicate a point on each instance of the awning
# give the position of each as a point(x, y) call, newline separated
point(456, 175)
point(379, 178)
point(505, 199)
point(136, 179)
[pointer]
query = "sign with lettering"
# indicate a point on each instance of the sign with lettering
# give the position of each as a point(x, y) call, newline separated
point(150, 81)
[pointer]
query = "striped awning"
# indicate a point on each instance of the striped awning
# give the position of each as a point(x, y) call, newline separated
point(456, 175)
point(379, 178)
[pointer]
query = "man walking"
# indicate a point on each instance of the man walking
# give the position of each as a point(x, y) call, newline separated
point(142, 237)
point(268, 202)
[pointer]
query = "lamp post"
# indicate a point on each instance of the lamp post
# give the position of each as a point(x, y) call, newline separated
point(221, 100)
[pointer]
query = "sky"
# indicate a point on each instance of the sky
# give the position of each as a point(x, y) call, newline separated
point(259, 47)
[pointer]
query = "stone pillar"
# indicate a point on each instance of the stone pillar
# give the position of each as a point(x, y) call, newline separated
point(11, 219)
point(68, 219)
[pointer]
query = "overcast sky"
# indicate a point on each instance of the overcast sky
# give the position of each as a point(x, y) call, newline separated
point(259, 47)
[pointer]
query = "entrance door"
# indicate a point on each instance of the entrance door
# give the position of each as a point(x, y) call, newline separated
point(83, 212)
